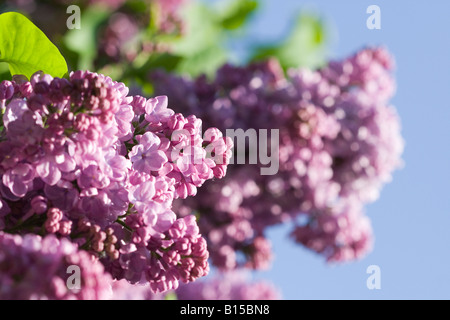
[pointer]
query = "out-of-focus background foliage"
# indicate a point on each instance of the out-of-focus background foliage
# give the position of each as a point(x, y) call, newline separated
point(213, 33)
point(411, 219)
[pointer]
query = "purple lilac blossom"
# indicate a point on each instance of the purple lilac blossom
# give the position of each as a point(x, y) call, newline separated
point(339, 143)
point(84, 162)
point(32, 267)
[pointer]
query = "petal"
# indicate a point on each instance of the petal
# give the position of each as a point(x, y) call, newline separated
point(156, 161)
point(18, 188)
point(68, 164)
point(48, 172)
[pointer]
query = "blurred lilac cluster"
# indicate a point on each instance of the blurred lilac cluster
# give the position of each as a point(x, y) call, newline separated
point(231, 285)
point(84, 162)
point(123, 36)
point(32, 267)
point(339, 142)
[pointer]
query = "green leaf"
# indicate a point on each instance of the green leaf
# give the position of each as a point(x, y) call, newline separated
point(203, 30)
point(304, 47)
point(165, 61)
point(205, 62)
point(203, 46)
point(237, 13)
point(27, 49)
point(136, 5)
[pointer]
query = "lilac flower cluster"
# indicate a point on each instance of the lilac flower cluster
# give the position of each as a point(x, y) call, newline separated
point(82, 160)
point(163, 259)
point(339, 142)
point(31, 262)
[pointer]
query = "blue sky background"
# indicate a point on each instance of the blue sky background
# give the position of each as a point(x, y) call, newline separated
point(411, 219)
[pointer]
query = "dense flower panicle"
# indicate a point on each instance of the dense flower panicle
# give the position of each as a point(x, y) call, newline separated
point(231, 285)
point(163, 254)
point(186, 157)
point(339, 142)
point(89, 174)
point(32, 267)
point(82, 160)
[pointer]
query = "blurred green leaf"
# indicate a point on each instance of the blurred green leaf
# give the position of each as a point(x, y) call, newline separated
point(4, 72)
point(137, 5)
point(154, 17)
point(203, 30)
point(137, 72)
point(171, 296)
point(27, 49)
point(83, 41)
point(166, 61)
point(304, 47)
point(202, 47)
point(237, 13)
point(205, 62)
